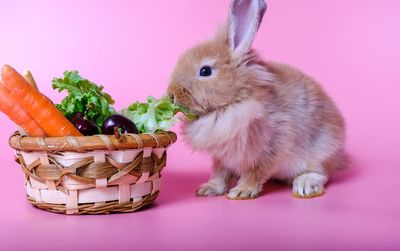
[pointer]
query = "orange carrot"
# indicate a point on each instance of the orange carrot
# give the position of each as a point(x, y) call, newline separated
point(18, 115)
point(38, 106)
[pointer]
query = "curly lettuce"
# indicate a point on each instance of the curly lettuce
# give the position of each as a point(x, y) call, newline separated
point(83, 96)
point(156, 114)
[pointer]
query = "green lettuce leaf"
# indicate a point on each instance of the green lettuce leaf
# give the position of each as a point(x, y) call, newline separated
point(83, 96)
point(156, 114)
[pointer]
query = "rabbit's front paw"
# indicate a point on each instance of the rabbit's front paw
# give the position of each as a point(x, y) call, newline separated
point(211, 189)
point(243, 192)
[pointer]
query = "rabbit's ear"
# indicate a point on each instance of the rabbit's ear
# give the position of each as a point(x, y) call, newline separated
point(245, 17)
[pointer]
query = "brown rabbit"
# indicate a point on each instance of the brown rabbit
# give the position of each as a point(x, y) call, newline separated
point(258, 120)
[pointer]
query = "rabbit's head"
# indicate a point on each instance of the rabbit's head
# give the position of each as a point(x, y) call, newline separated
point(213, 74)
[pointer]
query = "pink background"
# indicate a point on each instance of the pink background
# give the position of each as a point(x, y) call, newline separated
point(351, 46)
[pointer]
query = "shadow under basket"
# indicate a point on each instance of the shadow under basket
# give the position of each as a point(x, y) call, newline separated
point(98, 174)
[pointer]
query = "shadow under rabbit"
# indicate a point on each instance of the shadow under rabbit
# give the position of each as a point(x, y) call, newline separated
point(182, 186)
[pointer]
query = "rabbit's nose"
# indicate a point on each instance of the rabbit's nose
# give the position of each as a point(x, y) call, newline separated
point(172, 98)
point(171, 92)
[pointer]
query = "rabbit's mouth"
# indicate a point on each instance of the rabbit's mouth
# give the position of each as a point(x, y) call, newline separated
point(189, 107)
point(184, 98)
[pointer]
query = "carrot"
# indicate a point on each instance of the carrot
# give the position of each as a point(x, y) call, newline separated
point(38, 106)
point(18, 115)
point(28, 77)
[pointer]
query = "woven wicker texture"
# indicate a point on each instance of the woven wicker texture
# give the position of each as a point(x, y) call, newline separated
point(89, 143)
point(92, 175)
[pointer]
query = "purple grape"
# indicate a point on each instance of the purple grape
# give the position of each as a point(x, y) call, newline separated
point(85, 126)
point(118, 122)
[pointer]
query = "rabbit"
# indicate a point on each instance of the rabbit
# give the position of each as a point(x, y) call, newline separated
point(258, 120)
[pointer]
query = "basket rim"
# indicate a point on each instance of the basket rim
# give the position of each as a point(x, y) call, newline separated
point(92, 143)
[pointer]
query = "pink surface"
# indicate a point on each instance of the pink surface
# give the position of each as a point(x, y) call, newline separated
point(131, 47)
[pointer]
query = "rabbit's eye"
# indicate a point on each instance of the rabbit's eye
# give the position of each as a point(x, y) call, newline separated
point(205, 71)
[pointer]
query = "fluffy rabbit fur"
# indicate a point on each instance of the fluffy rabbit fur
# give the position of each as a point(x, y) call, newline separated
point(258, 120)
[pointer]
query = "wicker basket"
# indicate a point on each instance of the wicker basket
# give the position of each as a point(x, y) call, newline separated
point(92, 175)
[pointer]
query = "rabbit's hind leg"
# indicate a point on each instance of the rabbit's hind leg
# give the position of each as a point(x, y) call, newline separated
point(309, 185)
